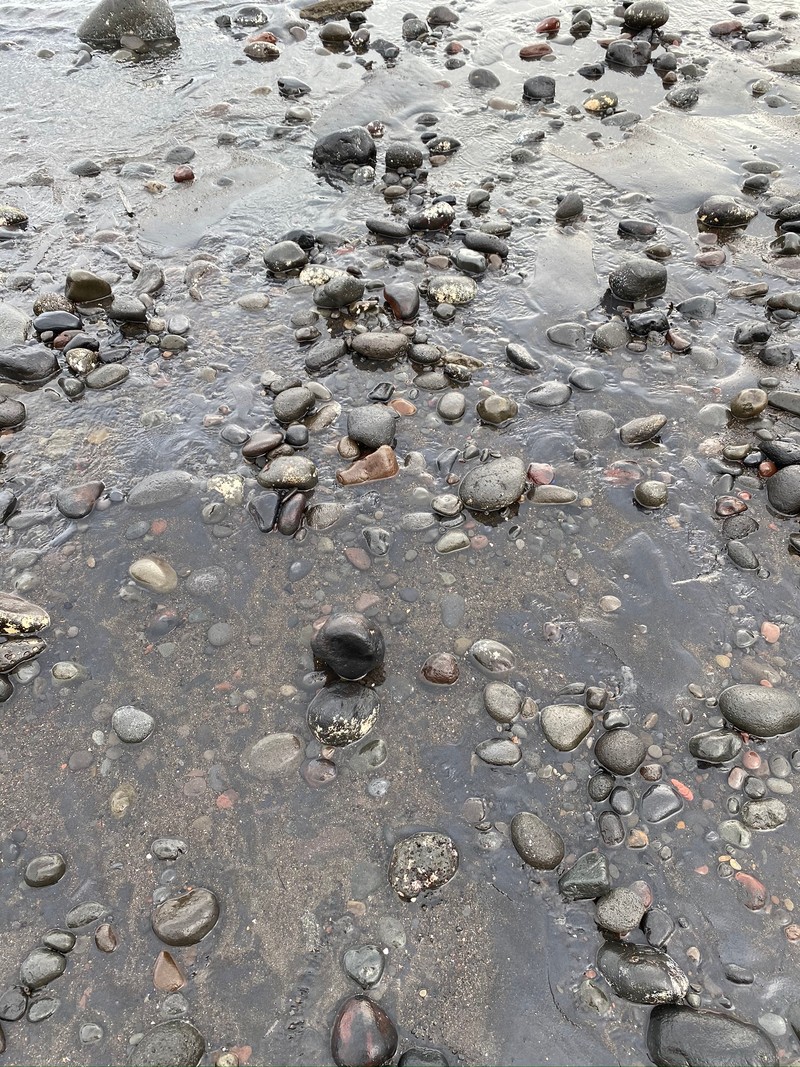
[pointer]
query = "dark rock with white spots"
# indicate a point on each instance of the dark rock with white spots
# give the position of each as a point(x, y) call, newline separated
point(642, 974)
point(421, 863)
point(724, 213)
point(343, 712)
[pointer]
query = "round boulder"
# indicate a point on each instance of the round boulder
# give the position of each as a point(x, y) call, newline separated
point(350, 644)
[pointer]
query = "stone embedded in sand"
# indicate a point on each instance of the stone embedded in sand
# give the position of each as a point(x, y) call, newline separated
point(151, 20)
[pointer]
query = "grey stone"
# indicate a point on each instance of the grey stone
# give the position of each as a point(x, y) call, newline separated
point(285, 256)
point(715, 746)
point(619, 911)
point(371, 425)
point(565, 725)
point(186, 919)
point(45, 870)
point(499, 752)
point(494, 485)
point(351, 145)
point(40, 967)
point(274, 756)
point(638, 279)
point(537, 843)
point(175, 1043)
point(106, 376)
point(365, 965)
point(761, 711)
point(422, 863)
point(587, 879)
point(620, 751)
point(660, 802)
point(151, 20)
point(638, 431)
point(27, 364)
point(766, 813)
point(132, 725)
point(14, 325)
point(339, 291)
point(163, 487)
point(83, 287)
point(288, 472)
point(502, 702)
point(381, 345)
point(292, 404)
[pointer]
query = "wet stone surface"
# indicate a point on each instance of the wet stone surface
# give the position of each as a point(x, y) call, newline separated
point(441, 360)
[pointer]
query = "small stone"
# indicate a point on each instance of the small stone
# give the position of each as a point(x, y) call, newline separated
point(363, 1034)
point(132, 725)
point(620, 751)
point(343, 712)
point(619, 911)
point(45, 870)
point(83, 287)
point(638, 279)
point(422, 863)
point(274, 756)
point(587, 879)
point(724, 213)
point(492, 657)
point(285, 256)
point(186, 919)
point(288, 472)
point(502, 702)
point(715, 746)
point(440, 669)
point(175, 1043)
point(749, 403)
point(639, 431)
point(650, 494)
point(499, 752)
point(565, 725)
point(380, 464)
point(154, 573)
point(365, 965)
point(537, 843)
point(350, 644)
point(167, 975)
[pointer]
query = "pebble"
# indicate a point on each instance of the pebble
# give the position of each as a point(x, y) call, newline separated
point(587, 879)
point(540, 846)
point(363, 1034)
point(620, 751)
point(350, 644)
point(45, 870)
point(274, 756)
point(494, 485)
point(707, 1036)
point(186, 919)
point(565, 725)
point(343, 712)
point(132, 725)
point(619, 911)
point(440, 669)
point(760, 711)
point(642, 974)
point(422, 863)
point(175, 1043)
point(154, 573)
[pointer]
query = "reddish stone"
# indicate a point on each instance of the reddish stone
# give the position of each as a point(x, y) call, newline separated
point(535, 51)
point(382, 463)
point(755, 892)
point(263, 35)
point(359, 558)
point(440, 669)
point(723, 29)
point(402, 406)
point(770, 632)
point(710, 259)
point(106, 937)
point(183, 174)
point(729, 505)
point(549, 25)
point(167, 975)
point(540, 474)
point(363, 1034)
point(751, 761)
point(63, 339)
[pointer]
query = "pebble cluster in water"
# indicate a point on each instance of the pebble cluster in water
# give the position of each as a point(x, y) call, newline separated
point(393, 304)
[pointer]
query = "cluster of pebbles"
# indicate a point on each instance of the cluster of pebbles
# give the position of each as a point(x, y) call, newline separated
point(444, 246)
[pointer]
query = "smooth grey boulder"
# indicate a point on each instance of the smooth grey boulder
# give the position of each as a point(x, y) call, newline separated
point(757, 710)
point(677, 1035)
point(151, 20)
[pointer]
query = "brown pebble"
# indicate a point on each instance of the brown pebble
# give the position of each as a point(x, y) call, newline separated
point(106, 937)
point(651, 772)
point(755, 892)
point(359, 557)
point(319, 772)
point(382, 463)
point(440, 669)
point(183, 174)
point(710, 259)
point(540, 473)
point(549, 25)
point(724, 28)
point(402, 406)
point(167, 975)
point(535, 51)
point(751, 761)
point(767, 468)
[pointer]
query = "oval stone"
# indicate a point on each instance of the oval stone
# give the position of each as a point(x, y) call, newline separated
point(363, 1034)
point(494, 485)
point(274, 756)
point(537, 843)
point(176, 1043)
point(758, 710)
point(342, 713)
point(19, 616)
point(45, 870)
point(677, 1035)
point(642, 974)
point(421, 863)
point(186, 919)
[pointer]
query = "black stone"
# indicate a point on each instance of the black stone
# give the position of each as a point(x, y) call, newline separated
point(350, 644)
point(677, 1036)
point(587, 879)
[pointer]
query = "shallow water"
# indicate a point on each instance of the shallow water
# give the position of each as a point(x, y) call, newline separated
point(496, 968)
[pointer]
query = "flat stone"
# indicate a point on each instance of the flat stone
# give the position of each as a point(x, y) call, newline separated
point(364, 965)
point(382, 345)
point(678, 1035)
point(660, 802)
point(28, 364)
point(492, 657)
point(452, 289)
point(163, 487)
point(767, 813)
point(19, 616)
point(642, 974)
point(186, 919)
point(639, 431)
point(40, 967)
point(715, 746)
point(154, 573)
point(19, 650)
point(45, 870)
point(288, 472)
point(587, 879)
point(382, 463)
point(499, 752)
point(274, 756)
